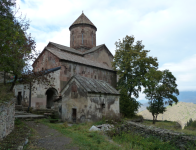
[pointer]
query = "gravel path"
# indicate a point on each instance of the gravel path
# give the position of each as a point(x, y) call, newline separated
point(46, 138)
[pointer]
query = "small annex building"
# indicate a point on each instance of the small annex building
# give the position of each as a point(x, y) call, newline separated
point(84, 99)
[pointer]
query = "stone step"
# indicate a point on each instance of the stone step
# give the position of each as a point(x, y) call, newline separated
point(28, 116)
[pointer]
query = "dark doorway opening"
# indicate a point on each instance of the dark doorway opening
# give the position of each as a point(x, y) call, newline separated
point(102, 105)
point(74, 112)
point(51, 95)
point(19, 98)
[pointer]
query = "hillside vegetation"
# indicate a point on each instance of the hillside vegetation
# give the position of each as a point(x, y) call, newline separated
point(180, 112)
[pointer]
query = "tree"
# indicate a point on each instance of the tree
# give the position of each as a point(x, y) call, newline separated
point(160, 89)
point(128, 105)
point(17, 47)
point(132, 63)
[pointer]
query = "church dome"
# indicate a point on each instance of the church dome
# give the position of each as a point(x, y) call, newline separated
point(82, 20)
point(82, 34)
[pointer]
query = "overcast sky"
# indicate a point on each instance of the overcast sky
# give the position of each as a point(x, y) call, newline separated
point(166, 27)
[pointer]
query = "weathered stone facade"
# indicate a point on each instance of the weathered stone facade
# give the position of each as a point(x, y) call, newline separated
point(48, 60)
point(82, 58)
point(43, 96)
point(7, 111)
point(85, 99)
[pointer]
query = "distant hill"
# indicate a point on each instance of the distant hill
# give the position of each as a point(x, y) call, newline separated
point(180, 112)
point(143, 107)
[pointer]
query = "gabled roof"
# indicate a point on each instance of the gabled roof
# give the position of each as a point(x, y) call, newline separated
point(72, 50)
point(94, 86)
point(78, 59)
point(82, 19)
point(65, 48)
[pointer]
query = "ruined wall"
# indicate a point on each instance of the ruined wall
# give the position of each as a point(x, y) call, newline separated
point(178, 139)
point(68, 69)
point(89, 107)
point(89, 37)
point(101, 55)
point(101, 104)
point(7, 111)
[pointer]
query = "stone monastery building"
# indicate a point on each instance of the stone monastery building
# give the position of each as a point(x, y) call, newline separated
point(84, 77)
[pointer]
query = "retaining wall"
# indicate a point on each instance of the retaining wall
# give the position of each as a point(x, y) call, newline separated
point(179, 139)
point(7, 111)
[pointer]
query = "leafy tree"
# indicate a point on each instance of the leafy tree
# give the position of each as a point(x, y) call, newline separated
point(128, 105)
point(131, 63)
point(160, 89)
point(17, 47)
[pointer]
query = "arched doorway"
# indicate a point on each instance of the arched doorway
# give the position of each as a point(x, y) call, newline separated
point(51, 95)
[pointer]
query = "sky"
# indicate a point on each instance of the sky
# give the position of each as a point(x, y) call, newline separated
point(167, 28)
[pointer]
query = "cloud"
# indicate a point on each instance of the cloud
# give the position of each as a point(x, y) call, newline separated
point(166, 27)
point(185, 73)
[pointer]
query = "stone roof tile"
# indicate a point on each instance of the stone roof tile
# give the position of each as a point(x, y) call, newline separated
point(97, 86)
point(72, 50)
point(82, 19)
point(78, 59)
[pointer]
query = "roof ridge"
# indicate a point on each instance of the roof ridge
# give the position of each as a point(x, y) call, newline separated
point(74, 58)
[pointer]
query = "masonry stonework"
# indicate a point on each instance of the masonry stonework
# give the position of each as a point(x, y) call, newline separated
point(7, 111)
point(179, 139)
point(87, 103)
point(83, 58)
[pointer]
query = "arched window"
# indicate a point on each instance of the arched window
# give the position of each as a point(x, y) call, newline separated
point(73, 38)
point(92, 37)
point(82, 36)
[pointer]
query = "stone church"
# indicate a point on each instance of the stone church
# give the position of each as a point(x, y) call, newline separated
point(84, 80)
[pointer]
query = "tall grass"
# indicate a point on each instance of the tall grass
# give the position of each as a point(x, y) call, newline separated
point(134, 141)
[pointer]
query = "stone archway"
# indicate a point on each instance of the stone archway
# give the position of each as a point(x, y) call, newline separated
point(51, 94)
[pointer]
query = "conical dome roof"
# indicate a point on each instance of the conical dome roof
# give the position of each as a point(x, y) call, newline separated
point(82, 19)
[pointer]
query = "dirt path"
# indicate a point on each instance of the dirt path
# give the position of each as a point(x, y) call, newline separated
point(45, 138)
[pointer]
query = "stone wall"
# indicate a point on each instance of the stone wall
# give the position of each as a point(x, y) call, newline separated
point(7, 111)
point(179, 139)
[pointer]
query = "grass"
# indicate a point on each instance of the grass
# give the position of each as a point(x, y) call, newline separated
point(138, 142)
point(82, 137)
point(86, 140)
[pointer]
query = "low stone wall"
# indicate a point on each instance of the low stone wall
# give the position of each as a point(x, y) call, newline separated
point(7, 111)
point(179, 139)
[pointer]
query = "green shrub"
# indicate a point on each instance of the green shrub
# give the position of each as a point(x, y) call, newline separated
point(190, 124)
point(5, 94)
